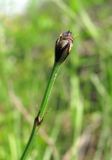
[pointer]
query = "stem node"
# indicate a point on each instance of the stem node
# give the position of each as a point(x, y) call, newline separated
point(38, 120)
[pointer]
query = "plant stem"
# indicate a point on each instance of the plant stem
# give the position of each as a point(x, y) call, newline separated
point(28, 143)
point(42, 109)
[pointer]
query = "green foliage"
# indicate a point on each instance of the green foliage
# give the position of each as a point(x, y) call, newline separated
point(78, 123)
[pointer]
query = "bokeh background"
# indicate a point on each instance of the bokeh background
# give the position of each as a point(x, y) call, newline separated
point(78, 123)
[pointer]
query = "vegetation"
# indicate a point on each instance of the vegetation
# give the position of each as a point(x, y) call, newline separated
point(77, 125)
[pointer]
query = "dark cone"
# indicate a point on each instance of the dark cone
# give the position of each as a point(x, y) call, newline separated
point(63, 46)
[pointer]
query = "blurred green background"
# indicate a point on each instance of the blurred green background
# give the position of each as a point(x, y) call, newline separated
point(78, 123)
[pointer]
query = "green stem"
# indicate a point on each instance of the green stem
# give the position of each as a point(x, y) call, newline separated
point(51, 81)
point(42, 109)
point(28, 143)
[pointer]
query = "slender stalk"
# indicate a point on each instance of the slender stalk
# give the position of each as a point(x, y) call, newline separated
point(42, 109)
point(28, 143)
point(62, 49)
point(51, 81)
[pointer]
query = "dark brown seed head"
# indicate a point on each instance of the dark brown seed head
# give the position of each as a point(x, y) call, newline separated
point(63, 46)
